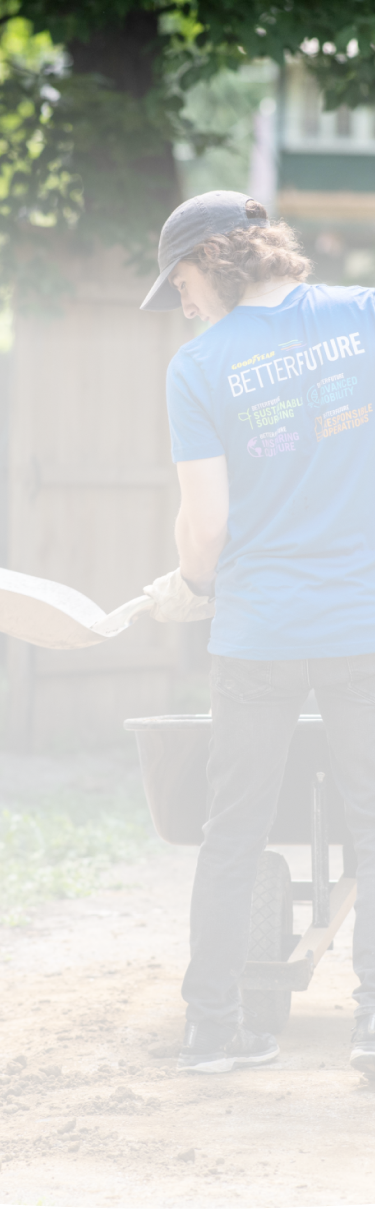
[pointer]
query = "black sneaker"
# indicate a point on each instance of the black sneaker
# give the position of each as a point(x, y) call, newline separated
point(363, 1053)
point(214, 1048)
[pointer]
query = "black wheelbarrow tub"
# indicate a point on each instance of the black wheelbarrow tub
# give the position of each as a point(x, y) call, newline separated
point(173, 753)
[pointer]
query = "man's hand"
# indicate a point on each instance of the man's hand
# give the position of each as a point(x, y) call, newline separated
point(201, 526)
point(173, 600)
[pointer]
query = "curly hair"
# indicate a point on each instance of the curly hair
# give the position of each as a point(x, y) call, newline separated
point(232, 262)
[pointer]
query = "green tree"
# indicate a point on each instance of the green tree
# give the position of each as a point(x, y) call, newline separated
point(124, 39)
point(93, 98)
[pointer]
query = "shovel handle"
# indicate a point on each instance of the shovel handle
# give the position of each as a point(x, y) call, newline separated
point(123, 617)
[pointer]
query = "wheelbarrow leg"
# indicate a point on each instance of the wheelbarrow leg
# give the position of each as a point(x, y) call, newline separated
point(349, 854)
point(320, 853)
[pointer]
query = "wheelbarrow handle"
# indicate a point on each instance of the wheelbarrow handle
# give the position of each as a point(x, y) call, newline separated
point(122, 617)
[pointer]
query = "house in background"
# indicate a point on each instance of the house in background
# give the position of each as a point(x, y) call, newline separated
point(320, 175)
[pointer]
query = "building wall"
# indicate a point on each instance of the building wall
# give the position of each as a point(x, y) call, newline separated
point(92, 500)
point(326, 178)
point(315, 170)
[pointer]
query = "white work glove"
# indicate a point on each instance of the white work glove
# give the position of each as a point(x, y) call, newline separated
point(174, 600)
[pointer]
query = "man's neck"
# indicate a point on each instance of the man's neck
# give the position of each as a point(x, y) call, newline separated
point(268, 293)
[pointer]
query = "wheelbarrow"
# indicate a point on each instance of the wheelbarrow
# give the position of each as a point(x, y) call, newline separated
point(173, 753)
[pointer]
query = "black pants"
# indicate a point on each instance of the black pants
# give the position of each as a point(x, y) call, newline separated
point(255, 707)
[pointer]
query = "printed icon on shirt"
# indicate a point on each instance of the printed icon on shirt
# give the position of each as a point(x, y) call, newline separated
point(313, 396)
point(334, 422)
point(253, 449)
point(331, 390)
point(318, 427)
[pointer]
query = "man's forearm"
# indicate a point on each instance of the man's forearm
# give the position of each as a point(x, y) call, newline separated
point(198, 556)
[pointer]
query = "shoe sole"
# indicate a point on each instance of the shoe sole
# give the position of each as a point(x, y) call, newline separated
point(364, 1061)
point(223, 1065)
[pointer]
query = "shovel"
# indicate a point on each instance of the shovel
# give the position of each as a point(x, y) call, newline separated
point(51, 615)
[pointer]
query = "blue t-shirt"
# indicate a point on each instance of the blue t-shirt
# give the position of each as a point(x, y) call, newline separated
point(287, 394)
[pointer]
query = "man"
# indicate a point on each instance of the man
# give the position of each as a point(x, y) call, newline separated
point(273, 433)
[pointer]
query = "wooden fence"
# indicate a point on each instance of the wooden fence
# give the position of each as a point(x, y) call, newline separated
point(91, 500)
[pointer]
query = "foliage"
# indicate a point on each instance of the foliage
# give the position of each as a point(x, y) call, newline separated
point(60, 133)
point(79, 159)
point(208, 34)
point(93, 96)
point(63, 850)
point(336, 38)
point(35, 184)
point(224, 105)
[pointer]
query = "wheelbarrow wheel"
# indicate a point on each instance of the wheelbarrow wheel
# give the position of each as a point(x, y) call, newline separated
point(271, 928)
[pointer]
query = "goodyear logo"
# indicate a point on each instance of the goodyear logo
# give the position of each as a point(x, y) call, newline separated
point(254, 359)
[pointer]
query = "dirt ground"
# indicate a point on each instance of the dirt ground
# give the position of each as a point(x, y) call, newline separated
point(93, 1112)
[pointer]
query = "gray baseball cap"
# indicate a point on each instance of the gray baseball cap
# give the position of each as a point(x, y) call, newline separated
point(214, 213)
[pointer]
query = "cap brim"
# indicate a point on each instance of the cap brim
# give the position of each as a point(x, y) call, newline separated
point(162, 296)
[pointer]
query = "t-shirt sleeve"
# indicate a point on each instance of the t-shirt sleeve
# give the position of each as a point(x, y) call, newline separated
point(193, 433)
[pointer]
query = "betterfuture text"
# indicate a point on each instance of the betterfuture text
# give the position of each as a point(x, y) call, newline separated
point(311, 359)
